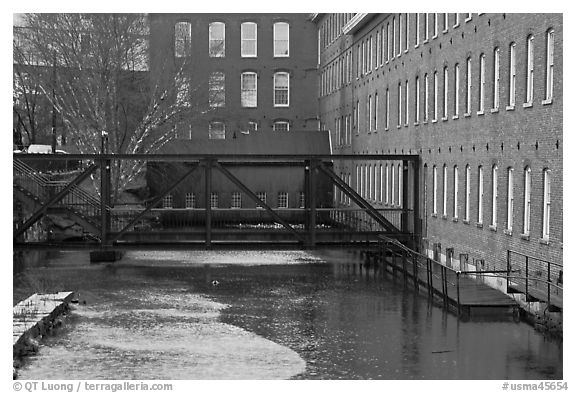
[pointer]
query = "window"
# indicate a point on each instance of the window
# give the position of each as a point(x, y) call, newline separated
point(303, 199)
point(456, 90)
point(369, 182)
point(426, 108)
point(445, 27)
point(400, 187)
point(375, 111)
point(389, 42)
point(214, 200)
point(417, 35)
point(262, 196)
point(434, 190)
point(494, 195)
point(406, 106)
point(217, 39)
point(527, 192)
point(393, 186)
point(530, 70)
point(378, 51)
point(387, 109)
point(249, 46)
point(249, 89)
point(281, 125)
point(236, 201)
point(417, 101)
point(283, 200)
point(445, 106)
point(281, 89)
point(190, 200)
point(399, 34)
point(435, 26)
point(496, 96)
point(380, 183)
point(549, 64)
point(407, 38)
point(369, 113)
point(216, 130)
point(217, 90)
point(512, 76)
point(445, 191)
point(546, 206)
point(252, 126)
point(382, 46)
point(468, 85)
point(467, 194)
point(399, 104)
point(480, 195)
point(425, 27)
point(281, 39)
point(455, 212)
point(182, 91)
point(182, 39)
point(393, 37)
point(510, 201)
point(387, 188)
point(435, 112)
point(456, 20)
point(481, 84)
point(167, 202)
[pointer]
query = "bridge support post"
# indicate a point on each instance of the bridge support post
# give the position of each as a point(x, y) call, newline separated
point(105, 188)
point(207, 201)
point(311, 198)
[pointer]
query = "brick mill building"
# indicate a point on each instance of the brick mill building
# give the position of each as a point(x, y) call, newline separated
point(479, 98)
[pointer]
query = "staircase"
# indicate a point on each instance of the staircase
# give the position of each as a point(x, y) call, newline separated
point(35, 188)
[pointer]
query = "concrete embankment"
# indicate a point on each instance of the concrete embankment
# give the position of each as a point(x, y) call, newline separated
point(34, 317)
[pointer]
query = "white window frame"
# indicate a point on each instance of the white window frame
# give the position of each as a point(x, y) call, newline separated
point(387, 125)
point(277, 41)
point(406, 105)
point(435, 112)
point(399, 104)
point(282, 123)
point(496, 91)
point(512, 77)
point(417, 35)
point(467, 194)
point(214, 200)
point(244, 40)
point(445, 96)
point(287, 89)
point(434, 190)
point(426, 98)
point(456, 90)
point(468, 86)
point(216, 134)
point(221, 51)
point(190, 200)
point(510, 201)
point(455, 201)
point(480, 218)
point(217, 89)
point(482, 84)
point(417, 100)
point(546, 205)
point(445, 191)
point(168, 201)
point(527, 200)
point(529, 70)
point(549, 77)
point(375, 111)
point(494, 196)
point(387, 184)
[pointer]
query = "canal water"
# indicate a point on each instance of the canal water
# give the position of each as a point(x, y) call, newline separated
point(267, 315)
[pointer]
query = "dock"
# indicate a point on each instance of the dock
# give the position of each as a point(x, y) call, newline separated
point(462, 291)
point(35, 315)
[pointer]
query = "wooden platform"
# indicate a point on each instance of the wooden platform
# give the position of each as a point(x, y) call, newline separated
point(30, 316)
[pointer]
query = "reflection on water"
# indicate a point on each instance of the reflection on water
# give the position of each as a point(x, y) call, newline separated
point(271, 315)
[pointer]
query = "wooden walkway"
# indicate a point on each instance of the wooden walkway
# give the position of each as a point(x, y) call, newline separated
point(460, 291)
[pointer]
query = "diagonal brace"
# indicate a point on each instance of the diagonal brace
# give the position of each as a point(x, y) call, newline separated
point(357, 198)
point(55, 199)
point(154, 203)
point(249, 192)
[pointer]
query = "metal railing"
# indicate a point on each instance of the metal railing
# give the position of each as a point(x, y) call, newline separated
point(535, 277)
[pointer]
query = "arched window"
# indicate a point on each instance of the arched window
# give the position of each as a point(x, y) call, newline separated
point(510, 201)
point(249, 36)
point(182, 39)
point(217, 39)
point(468, 85)
point(249, 89)
point(481, 83)
point(549, 64)
point(512, 76)
point(529, 69)
point(527, 197)
point(281, 89)
point(281, 39)
point(546, 205)
point(496, 91)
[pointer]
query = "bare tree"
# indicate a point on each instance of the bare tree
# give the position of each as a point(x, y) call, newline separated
point(93, 69)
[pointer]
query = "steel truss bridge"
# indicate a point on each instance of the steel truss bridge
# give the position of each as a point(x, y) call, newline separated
point(80, 190)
